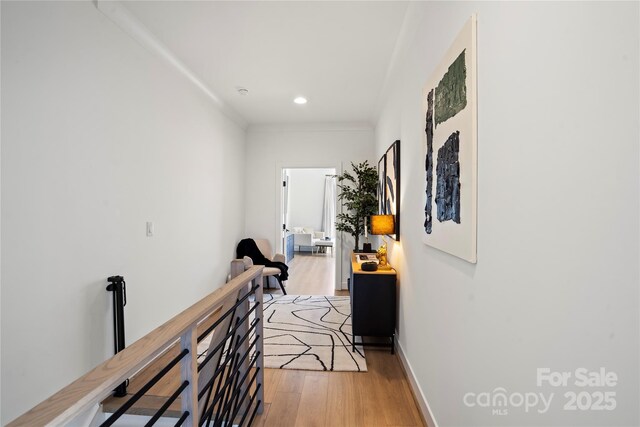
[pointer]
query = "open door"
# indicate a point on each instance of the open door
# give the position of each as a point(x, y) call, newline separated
point(306, 203)
point(285, 210)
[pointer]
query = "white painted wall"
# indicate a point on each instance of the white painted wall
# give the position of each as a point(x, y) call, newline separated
point(272, 148)
point(556, 283)
point(98, 137)
point(306, 197)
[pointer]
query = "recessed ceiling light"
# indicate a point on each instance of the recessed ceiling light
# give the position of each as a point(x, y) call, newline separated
point(300, 100)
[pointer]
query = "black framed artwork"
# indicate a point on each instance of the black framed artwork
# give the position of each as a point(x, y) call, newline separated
point(381, 183)
point(389, 185)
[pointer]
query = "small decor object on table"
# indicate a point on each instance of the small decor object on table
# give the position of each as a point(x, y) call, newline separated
point(362, 258)
point(382, 257)
point(369, 266)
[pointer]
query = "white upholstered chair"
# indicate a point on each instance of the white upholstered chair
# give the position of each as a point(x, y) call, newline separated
point(265, 248)
point(303, 239)
point(308, 239)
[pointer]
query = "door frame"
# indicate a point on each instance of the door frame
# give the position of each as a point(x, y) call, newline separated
point(337, 249)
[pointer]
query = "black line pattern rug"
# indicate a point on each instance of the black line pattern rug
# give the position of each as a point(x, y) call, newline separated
point(310, 333)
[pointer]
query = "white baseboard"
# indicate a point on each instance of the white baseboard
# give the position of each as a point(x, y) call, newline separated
point(417, 391)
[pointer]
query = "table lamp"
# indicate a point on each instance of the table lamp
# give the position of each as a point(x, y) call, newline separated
point(381, 225)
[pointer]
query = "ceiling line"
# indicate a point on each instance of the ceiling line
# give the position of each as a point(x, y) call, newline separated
point(312, 127)
point(401, 42)
point(123, 18)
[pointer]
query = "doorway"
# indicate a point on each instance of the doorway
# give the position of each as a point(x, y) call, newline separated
point(307, 218)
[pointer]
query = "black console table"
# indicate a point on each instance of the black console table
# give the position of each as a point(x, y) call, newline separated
point(373, 304)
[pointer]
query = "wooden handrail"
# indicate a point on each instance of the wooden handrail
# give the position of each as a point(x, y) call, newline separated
point(98, 383)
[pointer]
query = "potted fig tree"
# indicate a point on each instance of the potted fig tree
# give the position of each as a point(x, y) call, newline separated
point(358, 194)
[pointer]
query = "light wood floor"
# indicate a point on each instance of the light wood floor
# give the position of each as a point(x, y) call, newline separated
point(379, 397)
point(311, 274)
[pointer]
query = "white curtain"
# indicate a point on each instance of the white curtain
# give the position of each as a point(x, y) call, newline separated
point(329, 206)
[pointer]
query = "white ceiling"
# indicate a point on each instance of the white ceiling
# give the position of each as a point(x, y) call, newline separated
point(335, 53)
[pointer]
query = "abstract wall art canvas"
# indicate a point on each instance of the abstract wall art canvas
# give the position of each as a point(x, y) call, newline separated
point(389, 185)
point(450, 149)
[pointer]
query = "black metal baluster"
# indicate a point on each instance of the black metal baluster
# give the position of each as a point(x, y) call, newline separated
point(117, 285)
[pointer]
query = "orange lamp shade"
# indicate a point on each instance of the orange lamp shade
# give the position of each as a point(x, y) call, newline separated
point(382, 224)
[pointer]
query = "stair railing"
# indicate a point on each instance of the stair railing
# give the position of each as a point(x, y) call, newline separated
point(225, 387)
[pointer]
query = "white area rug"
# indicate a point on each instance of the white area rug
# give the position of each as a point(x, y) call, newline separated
point(310, 333)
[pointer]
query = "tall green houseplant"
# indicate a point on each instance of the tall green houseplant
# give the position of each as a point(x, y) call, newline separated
point(358, 194)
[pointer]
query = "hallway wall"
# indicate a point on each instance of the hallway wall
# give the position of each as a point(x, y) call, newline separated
point(556, 282)
point(100, 136)
point(270, 148)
